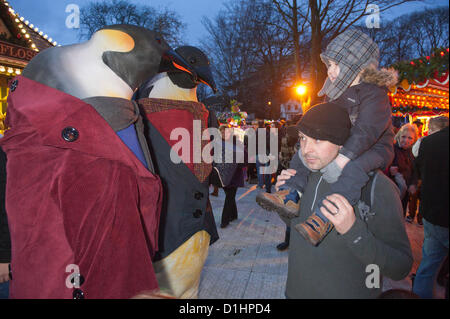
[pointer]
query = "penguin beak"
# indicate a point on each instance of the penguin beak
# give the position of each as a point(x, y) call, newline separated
point(170, 60)
point(205, 76)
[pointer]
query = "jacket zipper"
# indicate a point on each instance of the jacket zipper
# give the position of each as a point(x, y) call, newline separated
point(315, 195)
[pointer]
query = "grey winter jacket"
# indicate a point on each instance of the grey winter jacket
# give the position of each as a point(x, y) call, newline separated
point(342, 265)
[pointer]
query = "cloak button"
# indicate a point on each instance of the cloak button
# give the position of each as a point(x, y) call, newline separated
point(78, 294)
point(198, 213)
point(198, 195)
point(80, 279)
point(70, 134)
point(13, 85)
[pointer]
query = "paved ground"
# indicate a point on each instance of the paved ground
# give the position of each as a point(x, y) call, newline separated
point(244, 262)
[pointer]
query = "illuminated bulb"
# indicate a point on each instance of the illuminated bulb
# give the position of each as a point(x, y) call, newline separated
point(2, 69)
point(17, 20)
point(31, 26)
point(11, 10)
point(21, 25)
point(17, 71)
point(27, 35)
point(45, 36)
point(21, 19)
point(33, 45)
point(26, 22)
point(50, 39)
point(10, 70)
point(55, 43)
point(23, 30)
point(41, 33)
point(36, 29)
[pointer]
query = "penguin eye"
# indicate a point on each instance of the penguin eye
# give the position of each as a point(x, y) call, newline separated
point(192, 60)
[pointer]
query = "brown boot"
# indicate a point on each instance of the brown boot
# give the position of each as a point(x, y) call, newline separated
point(314, 229)
point(280, 203)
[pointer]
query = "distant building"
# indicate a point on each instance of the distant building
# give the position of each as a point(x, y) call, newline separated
point(290, 109)
point(20, 41)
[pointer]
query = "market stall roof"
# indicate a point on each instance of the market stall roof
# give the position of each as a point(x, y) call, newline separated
point(20, 40)
point(423, 89)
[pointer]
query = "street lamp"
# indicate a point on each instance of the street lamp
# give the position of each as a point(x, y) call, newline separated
point(301, 90)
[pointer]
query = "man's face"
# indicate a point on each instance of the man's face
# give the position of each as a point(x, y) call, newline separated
point(317, 153)
point(333, 70)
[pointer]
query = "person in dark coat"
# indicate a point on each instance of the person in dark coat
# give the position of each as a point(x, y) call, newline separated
point(5, 241)
point(229, 212)
point(402, 167)
point(432, 163)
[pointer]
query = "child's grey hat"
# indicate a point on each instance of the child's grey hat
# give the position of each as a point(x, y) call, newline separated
point(353, 51)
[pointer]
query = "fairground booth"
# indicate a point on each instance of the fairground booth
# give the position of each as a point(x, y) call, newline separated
point(422, 91)
point(20, 41)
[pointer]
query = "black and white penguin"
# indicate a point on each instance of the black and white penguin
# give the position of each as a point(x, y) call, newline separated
point(174, 83)
point(114, 62)
point(187, 227)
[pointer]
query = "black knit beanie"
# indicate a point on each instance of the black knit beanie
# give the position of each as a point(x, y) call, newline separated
point(326, 121)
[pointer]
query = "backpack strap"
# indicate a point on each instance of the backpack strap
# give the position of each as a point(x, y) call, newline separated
point(367, 196)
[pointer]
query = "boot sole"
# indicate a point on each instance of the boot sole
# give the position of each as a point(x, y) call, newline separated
point(270, 206)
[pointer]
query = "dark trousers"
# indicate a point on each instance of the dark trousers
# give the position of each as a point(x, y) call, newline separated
point(412, 208)
point(229, 211)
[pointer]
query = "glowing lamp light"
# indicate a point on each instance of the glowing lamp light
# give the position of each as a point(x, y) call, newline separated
point(2, 69)
point(301, 89)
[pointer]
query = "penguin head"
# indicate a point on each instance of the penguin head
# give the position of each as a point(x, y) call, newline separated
point(144, 57)
point(198, 61)
point(113, 62)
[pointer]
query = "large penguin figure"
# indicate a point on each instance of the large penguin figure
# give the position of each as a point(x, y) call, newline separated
point(83, 201)
point(187, 228)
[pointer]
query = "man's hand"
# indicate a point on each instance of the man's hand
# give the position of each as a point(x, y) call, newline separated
point(284, 176)
point(343, 216)
point(4, 273)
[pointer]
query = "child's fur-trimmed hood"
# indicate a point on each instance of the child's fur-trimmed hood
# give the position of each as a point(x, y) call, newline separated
point(380, 77)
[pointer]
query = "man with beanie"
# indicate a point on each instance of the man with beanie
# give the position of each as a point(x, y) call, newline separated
point(367, 241)
point(356, 85)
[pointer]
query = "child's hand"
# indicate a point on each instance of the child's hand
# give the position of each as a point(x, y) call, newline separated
point(284, 176)
point(393, 170)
